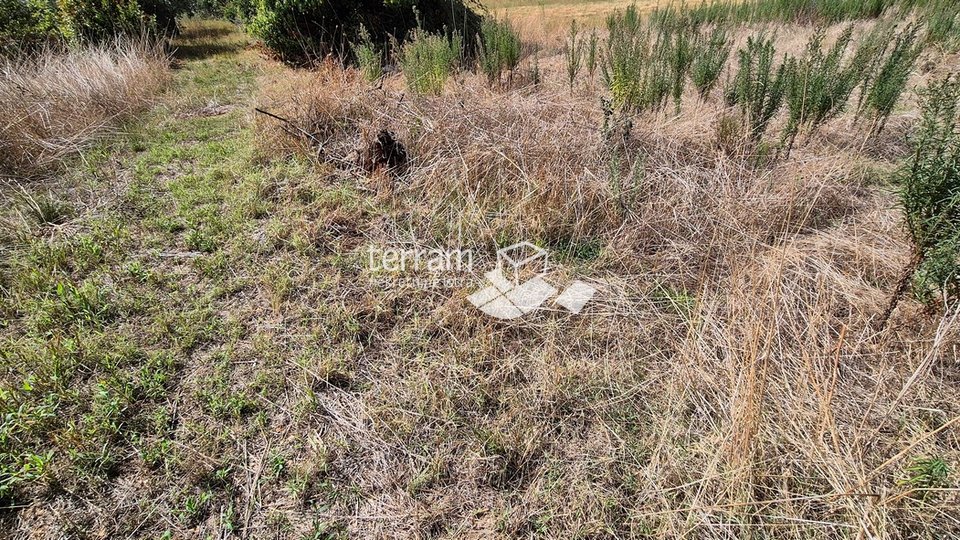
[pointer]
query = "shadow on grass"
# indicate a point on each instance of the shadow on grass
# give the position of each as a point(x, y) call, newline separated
point(197, 51)
point(200, 39)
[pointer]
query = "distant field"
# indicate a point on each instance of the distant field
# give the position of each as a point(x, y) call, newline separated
point(562, 10)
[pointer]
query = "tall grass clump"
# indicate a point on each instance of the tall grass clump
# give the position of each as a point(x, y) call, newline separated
point(710, 54)
point(573, 53)
point(930, 195)
point(55, 103)
point(891, 76)
point(498, 48)
point(819, 84)
point(759, 85)
point(428, 60)
point(368, 56)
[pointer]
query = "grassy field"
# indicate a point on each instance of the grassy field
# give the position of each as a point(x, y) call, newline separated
point(193, 344)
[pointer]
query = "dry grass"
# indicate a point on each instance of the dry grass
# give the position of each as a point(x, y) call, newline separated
point(54, 104)
point(728, 383)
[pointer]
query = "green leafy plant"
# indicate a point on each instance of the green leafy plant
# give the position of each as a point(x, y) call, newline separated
point(819, 84)
point(759, 85)
point(498, 48)
point(925, 474)
point(891, 77)
point(368, 57)
point(302, 31)
point(428, 60)
point(645, 64)
point(592, 43)
point(710, 55)
point(929, 194)
point(573, 53)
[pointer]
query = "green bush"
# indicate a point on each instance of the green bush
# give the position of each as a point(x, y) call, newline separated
point(645, 64)
point(891, 76)
point(428, 59)
point(498, 48)
point(573, 53)
point(301, 31)
point(99, 20)
point(25, 24)
point(930, 193)
point(819, 84)
point(710, 55)
point(368, 56)
point(759, 85)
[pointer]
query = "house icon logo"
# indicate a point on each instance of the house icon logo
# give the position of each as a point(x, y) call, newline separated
point(517, 285)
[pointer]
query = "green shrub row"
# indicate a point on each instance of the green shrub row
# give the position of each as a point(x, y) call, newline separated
point(942, 16)
point(26, 24)
point(302, 31)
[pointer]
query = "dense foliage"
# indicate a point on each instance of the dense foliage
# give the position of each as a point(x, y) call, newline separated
point(299, 31)
point(30, 23)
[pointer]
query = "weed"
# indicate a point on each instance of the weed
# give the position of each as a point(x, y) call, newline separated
point(498, 48)
point(368, 57)
point(45, 209)
point(891, 77)
point(818, 85)
point(709, 57)
point(573, 53)
point(429, 59)
point(759, 85)
point(925, 474)
point(929, 187)
point(592, 44)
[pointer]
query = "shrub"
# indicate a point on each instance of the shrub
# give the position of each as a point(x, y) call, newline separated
point(428, 59)
point(301, 31)
point(645, 64)
point(891, 77)
point(759, 86)
point(573, 53)
point(819, 84)
point(24, 25)
point(710, 55)
point(29, 24)
point(99, 20)
point(368, 56)
point(498, 48)
point(930, 192)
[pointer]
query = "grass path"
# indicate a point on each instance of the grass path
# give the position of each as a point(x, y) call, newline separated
point(129, 323)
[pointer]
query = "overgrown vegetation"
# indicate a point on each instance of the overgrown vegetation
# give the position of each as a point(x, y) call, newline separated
point(930, 194)
point(498, 48)
point(429, 59)
point(302, 31)
point(646, 62)
point(26, 25)
point(942, 17)
point(369, 57)
point(195, 340)
point(819, 84)
point(759, 86)
point(709, 59)
point(890, 79)
point(53, 105)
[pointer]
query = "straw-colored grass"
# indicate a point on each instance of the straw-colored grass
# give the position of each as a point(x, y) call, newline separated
point(56, 103)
